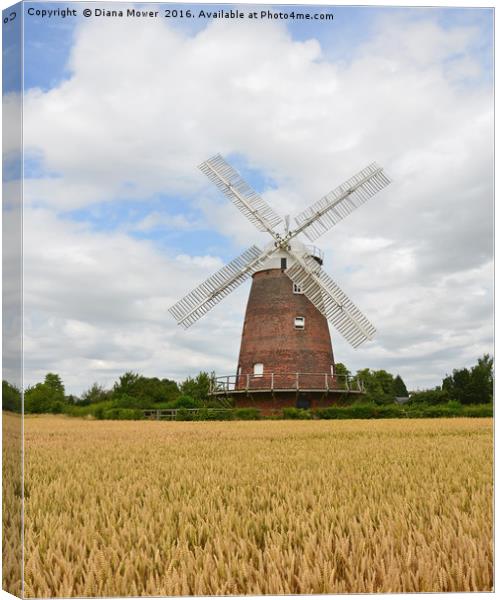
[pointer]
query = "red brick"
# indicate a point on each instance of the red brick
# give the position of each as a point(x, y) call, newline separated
point(270, 337)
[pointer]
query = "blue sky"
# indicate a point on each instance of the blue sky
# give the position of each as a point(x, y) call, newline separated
point(11, 54)
point(121, 223)
point(48, 43)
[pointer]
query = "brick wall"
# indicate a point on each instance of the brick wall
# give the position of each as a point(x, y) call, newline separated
point(270, 337)
point(273, 404)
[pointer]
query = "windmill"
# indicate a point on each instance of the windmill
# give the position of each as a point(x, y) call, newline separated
point(285, 349)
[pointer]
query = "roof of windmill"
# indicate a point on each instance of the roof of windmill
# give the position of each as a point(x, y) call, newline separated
point(274, 261)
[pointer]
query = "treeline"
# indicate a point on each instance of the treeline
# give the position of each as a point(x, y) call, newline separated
point(126, 399)
point(386, 395)
point(464, 386)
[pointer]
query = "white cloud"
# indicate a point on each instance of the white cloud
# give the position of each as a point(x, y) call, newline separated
point(135, 120)
point(96, 305)
point(156, 220)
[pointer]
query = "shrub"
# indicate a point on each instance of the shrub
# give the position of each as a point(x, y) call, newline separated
point(99, 412)
point(220, 402)
point(183, 414)
point(327, 413)
point(415, 412)
point(95, 410)
point(184, 402)
point(390, 411)
point(204, 414)
point(123, 414)
point(436, 396)
point(247, 414)
point(438, 411)
point(360, 410)
point(296, 413)
point(478, 410)
point(221, 415)
point(355, 411)
point(126, 401)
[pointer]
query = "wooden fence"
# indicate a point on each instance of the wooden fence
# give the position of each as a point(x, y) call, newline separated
point(170, 414)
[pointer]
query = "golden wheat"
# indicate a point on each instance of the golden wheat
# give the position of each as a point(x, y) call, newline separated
point(160, 508)
point(12, 502)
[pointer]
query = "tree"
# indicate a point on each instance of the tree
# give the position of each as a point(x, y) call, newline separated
point(127, 401)
point(147, 390)
point(46, 397)
point(96, 393)
point(186, 402)
point(481, 381)
point(54, 383)
point(471, 386)
point(126, 384)
point(11, 397)
point(431, 397)
point(379, 385)
point(400, 387)
point(342, 374)
point(197, 387)
point(156, 390)
point(341, 369)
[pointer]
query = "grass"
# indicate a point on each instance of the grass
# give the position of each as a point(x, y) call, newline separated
point(268, 507)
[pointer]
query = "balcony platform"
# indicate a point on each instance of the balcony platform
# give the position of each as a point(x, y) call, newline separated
point(247, 391)
point(271, 392)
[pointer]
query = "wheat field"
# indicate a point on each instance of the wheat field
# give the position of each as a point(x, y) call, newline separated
point(12, 503)
point(272, 507)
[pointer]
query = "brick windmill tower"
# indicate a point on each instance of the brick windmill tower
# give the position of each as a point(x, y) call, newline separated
point(286, 356)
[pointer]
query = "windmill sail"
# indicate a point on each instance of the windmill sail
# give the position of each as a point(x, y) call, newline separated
point(204, 297)
point(306, 272)
point(330, 300)
point(340, 202)
point(241, 194)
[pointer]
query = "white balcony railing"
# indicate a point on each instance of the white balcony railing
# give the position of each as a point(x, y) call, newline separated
point(228, 384)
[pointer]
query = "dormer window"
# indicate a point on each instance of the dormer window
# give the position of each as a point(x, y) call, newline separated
point(297, 289)
point(299, 322)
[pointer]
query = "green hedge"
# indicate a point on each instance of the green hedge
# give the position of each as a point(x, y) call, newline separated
point(478, 410)
point(210, 414)
point(123, 414)
point(296, 413)
point(246, 414)
point(394, 411)
point(108, 410)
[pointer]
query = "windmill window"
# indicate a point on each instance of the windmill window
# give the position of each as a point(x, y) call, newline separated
point(283, 263)
point(258, 369)
point(299, 322)
point(297, 289)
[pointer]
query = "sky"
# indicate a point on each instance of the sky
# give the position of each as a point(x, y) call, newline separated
point(120, 223)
